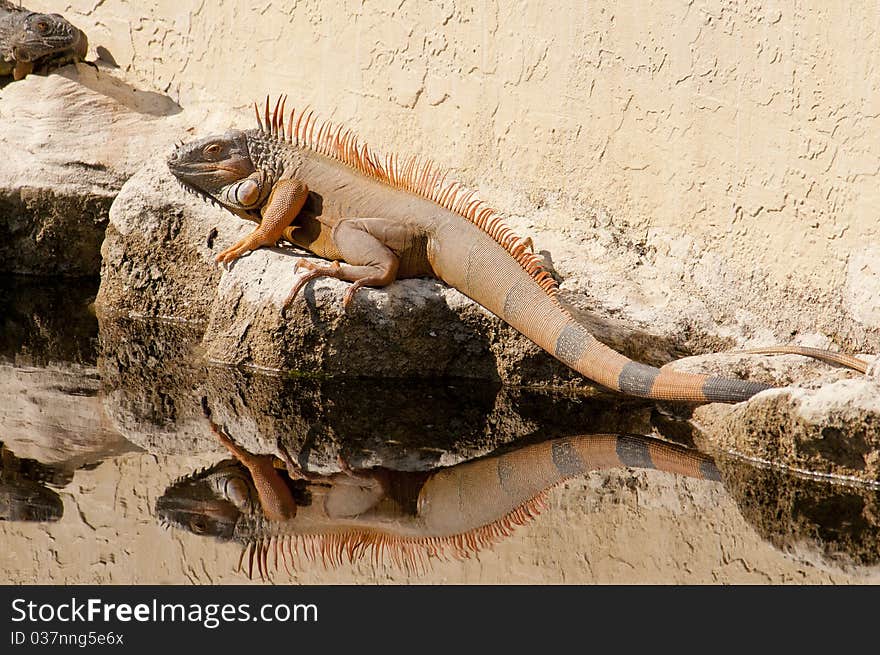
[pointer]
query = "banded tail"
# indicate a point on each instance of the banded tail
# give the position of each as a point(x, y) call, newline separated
point(469, 498)
point(486, 273)
point(468, 507)
point(481, 257)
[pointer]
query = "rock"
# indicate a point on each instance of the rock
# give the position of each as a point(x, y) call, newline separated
point(823, 419)
point(158, 262)
point(776, 370)
point(69, 142)
point(155, 383)
point(832, 430)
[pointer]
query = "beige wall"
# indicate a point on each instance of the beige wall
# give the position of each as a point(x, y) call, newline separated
point(752, 125)
point(749, 127)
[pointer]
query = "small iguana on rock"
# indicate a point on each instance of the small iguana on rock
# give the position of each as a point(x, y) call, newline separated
point(410, 517)
point(33, 42)
point(381, 218)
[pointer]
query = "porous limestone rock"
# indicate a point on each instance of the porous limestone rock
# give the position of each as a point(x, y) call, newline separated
point(158, 262)
point(69, 141)
point(827, 423)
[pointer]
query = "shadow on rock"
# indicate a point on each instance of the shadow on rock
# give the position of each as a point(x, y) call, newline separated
point(155, 378)
point(103, 82)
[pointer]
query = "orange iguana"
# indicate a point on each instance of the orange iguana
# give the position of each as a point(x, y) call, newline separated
point(379, 219)
point(409, 516)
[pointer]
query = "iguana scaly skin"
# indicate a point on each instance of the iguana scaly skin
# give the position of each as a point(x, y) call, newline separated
point(380, 218)
point(409, 517)
point(30, 41)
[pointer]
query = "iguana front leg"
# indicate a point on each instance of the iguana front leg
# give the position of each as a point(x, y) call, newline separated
point(368, 247)
point(285, 201)
point(275, 497)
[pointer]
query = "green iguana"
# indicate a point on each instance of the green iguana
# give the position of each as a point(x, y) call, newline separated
point(410, 517)
point(33, 42)
point(381, 218)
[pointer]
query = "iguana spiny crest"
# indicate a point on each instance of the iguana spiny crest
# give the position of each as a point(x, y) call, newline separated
point(238, 169)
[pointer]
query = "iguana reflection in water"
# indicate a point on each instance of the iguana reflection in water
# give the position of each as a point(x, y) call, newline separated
point(411, 517)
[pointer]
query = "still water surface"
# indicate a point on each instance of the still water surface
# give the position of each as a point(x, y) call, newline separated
point(111, 473)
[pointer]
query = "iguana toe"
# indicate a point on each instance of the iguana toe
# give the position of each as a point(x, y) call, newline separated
point(314, 271)
point(349, 294)
point(232, 253)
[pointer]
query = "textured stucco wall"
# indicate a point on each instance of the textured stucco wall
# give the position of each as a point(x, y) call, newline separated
point(749, 126)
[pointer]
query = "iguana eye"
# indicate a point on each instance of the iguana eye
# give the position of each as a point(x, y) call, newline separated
point(238, 492)
point(42, 26)
point(198, 525)
point(212, 149)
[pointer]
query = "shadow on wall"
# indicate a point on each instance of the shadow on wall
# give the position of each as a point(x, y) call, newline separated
point(97, 79)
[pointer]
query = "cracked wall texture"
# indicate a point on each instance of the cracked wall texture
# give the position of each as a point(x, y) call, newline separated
point(748, 126)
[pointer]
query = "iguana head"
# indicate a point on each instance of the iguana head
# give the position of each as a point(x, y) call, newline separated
point(221, 170)
point(210, 502)
point(40, 35)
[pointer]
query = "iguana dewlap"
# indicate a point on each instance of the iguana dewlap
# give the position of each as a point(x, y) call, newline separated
point(381, 218)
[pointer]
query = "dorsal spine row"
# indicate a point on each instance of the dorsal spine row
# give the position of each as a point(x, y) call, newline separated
point(410, 553)
point(413, 174)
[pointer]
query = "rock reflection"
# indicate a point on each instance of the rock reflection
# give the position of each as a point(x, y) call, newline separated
point(833, 525)
point(155, 381)
point(357, 455)
point(51, 409)
point(45, 322)
point(399, 470)
point(24, 494)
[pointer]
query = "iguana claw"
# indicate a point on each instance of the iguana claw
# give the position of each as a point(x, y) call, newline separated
point(349, 293)
point(233, 252)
